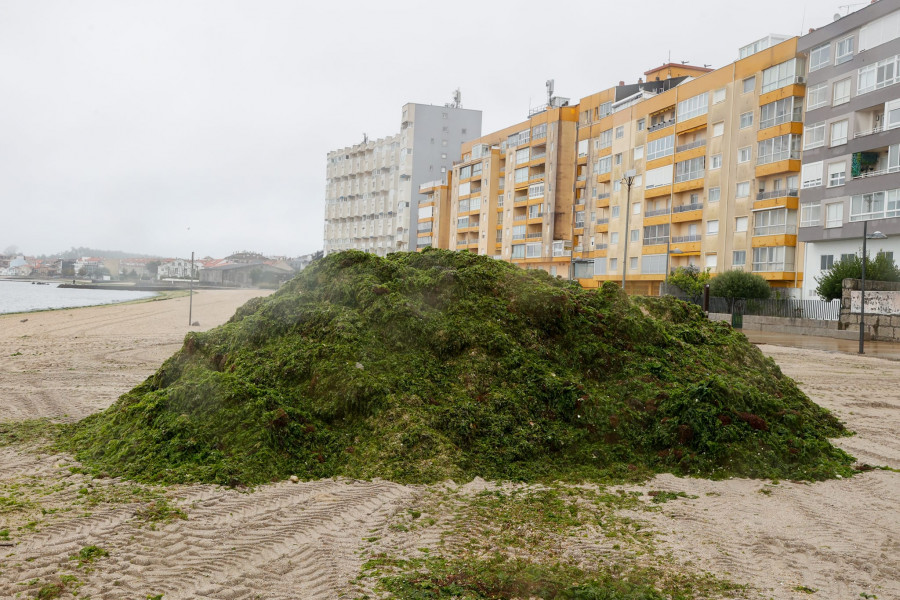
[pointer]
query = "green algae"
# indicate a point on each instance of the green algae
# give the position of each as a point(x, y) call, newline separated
point(426, 366)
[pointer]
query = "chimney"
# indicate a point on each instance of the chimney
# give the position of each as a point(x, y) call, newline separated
point(621, 83)
point(640, 80)
point(811, 29)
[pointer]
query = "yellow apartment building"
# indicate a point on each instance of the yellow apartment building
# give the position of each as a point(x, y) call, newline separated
point(433, 227)
point(715, 156)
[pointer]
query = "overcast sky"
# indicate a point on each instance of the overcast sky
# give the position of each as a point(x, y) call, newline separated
point(162, 127)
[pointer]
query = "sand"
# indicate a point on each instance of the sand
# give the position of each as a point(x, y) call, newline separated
point(306, 540)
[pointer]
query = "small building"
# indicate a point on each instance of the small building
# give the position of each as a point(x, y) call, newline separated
point(246, 275)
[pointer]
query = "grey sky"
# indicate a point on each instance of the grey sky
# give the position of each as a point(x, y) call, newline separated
point(124, 123)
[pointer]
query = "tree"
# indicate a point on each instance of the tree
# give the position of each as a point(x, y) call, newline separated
point(737, 284)
point(689, 280)
point(830, 281)
point(152, 268)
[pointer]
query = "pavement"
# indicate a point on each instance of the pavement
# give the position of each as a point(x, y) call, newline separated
point(886, 350)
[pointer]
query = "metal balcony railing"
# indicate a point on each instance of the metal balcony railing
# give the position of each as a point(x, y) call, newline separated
point(657, 212)
point(602, 221)
point(789, 193)
point(687, 207)
point(680, 239)
point(661, 125)
point(690, 146)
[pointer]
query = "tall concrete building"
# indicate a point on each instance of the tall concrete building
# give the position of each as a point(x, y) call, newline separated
point(851, 149)
point(373, 188)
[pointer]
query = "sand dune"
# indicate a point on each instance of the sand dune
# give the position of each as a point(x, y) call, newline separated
point(304, 540)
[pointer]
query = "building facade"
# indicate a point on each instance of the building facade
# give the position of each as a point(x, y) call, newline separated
point(851, 150)
point(373, 188)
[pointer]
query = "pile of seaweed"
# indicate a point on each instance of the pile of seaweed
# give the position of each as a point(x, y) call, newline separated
point(425, 366)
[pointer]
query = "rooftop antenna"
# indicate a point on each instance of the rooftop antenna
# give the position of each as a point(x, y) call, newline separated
point(457, 99)
point(365, 138)
point(706, 66)
point(549, 85)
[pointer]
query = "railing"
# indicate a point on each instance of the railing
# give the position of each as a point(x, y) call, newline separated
point(534, 235)
point(860, 134)
point(579, 224)
point(537, 175)
point(690, 175)
point(581, 178)
point(657, 212)
point(602, 221)
point(772, 230)
point(518, 236)
point(681, 239)
point(601, 246)
point(778, 120)
point(782, 82)
point(538, 156)
point(865, 174)
point(690, 146)
point(520, 199)
point(519, 217)
point(660, 125)
point(783, 155)
point(820, 310)
point(790, 193)
point(687, 207)
point(777, 267)
point(603, 196)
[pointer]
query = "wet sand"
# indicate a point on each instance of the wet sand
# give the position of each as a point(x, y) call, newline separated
point(841, 537)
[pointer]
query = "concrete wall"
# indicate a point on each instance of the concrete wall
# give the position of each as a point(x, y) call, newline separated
point(789, 326)
point(877, 327)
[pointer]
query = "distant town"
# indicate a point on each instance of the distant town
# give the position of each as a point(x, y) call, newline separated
point(240, 269)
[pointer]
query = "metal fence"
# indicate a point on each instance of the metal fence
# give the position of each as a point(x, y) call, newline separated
point(819, 310)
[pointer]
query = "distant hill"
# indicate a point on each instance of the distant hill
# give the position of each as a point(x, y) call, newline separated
point(82, 251)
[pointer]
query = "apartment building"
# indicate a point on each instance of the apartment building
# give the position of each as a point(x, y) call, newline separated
point(373, 188)
point(851, 149)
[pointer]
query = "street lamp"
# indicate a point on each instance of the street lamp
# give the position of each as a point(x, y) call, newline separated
point(875, 235)
point(627, 179)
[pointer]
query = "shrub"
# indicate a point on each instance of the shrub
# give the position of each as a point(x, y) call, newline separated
point(736, 284)
point(689, 280)
point(881, 268)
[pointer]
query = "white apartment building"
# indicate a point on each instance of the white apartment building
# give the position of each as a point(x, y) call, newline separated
point(372, 188)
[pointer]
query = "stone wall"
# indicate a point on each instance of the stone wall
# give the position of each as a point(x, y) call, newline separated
point(830, 329)
point(885, 327)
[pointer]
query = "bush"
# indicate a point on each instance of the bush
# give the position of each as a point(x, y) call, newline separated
point(740, 284)
point(689, 280)
point(881, 268)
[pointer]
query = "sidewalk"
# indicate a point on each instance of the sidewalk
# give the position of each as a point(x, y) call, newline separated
point(886, 350)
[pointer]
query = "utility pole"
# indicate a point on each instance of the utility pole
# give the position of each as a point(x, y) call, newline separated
point(191, 299)
point(627, 179)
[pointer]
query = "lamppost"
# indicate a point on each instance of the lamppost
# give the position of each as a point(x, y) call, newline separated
point(875, 235)
point(627, 179)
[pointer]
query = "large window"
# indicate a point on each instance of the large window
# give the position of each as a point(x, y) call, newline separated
point(819, 57)
point(656, 234)
point(781, 111)
point(653, 263)
point(742, 190)
point(778, 259)
point(841, 93)
point(739, 258)
point(843, 50)
point(522, 175)
point(583, 148)
point(783, 147)
point(877, 76)
point(749, 84)
point(837, 174)
point(816, 96)
point(658, 177)
point(714, 194)
point(690, 169)
point(604, 165)
point(658, 148)
point(880, 31)
point(523, 155)
point(465, 172)
point(877, 205)
point(746, 120)
point(693, 107)
point(781, 75)
point(810, 214)
point(465, 188)
point(518, 251)
point(839, 132)
point(811, 175)
point(834, 214)
point(814, 135)
point(605, 139)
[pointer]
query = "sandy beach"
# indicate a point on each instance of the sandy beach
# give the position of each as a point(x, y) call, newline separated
point(839, 538)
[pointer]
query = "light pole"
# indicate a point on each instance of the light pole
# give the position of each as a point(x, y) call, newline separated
point(876, 235)
point(191, 299)
point(627, 179)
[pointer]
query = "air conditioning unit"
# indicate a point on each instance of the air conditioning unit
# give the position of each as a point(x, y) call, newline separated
point(801, 79)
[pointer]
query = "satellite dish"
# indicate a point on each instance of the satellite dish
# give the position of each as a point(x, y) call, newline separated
point(837, 16)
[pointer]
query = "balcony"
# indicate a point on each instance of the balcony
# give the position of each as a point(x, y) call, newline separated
point(602, 221)
point(657, 212)
point(661, 125)
point(778, 156)
point(690, 146)
point(687, 207)
point(534, 235)
point(601, 246)
point(681, 239)
point(789, 193)
point(603, 196)
point(690, 175)
point(874, 173)
point(774, 230)
point(655, 241)
point(519, 217)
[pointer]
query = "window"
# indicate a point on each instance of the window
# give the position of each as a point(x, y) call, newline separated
point(714, 194)
point(719, 96)
point(613, 264)
point(521, 175)
point(523, 155)
point(819, 57)
point(740, 224)
point(744, 154)
point(690, 169)
point(810, 214)
point(465, 188)
point(639, 153)
point(605, 139)
point(635, 208)
point(783, 147)
point(693, 107)
point(715, 161)
point(868, 206)
point(583, 148)
point(659, 177)
point(633, 263)
point(712, 227)
point(739, 258)
point(781, 75)
point(841, 92)
point(661, 147)
point(814, 135)
point(811, 175)
point(718, 129)
point(839, 132)
point(826, 261)
point(879, 31)
point(615, 212)
point(518, 251)
point(778, 258)
point(774, 222)
point(834, 214)
point(816, 96)
point(746, 120)
point(843, 50)
point(837, 173)
point(641, 124)
point(653, 263)
point(711, 261)
point(892, 114)
point(749, 84)
point(617, 185)
point(604, 165)
point(620, 132)
point(780, 111)
point(743, 189)
point(879, 75)
point(465, 172)
point(635, 235)
point(618, 158)
point(614, 237)
point(656, 234)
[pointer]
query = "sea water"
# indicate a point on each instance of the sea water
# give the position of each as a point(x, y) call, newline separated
point(25, 296)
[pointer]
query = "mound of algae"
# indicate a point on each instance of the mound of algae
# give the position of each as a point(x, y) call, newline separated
point(425, 366)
